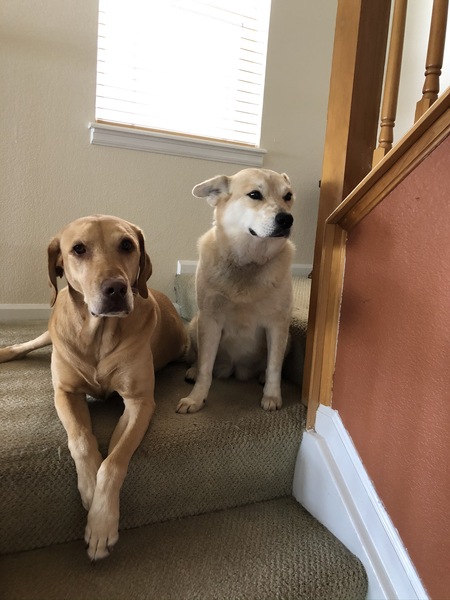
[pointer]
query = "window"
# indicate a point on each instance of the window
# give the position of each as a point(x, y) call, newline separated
point(189, 67)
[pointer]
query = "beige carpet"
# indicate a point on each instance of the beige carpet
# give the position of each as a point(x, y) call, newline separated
point(206, 508)
point(266, 551)
point(230, 453)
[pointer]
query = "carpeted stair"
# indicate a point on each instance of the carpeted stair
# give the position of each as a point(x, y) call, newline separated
point(206, 508)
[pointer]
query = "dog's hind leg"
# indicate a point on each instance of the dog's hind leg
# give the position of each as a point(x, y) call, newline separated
point(191, 373)
point(20, 350)
point(191, 352)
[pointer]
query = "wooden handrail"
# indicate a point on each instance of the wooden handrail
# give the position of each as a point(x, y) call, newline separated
point(435, 57)
point(353, 110)
point(415, 146)
point(392, 82)
point(428, 132)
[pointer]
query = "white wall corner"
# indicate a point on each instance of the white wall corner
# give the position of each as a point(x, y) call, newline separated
point(331, 483)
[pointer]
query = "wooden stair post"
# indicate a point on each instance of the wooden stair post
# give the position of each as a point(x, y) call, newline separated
point(353, 109)
point(392, 82)
point(435, 57)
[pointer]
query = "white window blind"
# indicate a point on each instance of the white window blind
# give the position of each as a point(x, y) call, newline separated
point(193, 67)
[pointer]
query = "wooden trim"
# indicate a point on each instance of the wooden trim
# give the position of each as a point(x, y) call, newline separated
point(324, 335)
point(423, 138)
point(353, 108)
point(414, 147)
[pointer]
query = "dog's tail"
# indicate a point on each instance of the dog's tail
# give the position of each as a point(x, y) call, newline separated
point(20, 350)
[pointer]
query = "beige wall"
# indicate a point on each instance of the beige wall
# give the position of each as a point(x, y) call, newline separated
point(392, 377)
point(51, 174)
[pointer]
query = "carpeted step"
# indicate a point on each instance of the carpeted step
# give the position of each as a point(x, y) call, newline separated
point(293, 367)
point(265, 551)
point(229, 454)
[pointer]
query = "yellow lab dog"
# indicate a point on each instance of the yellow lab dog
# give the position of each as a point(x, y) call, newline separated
point(109, 332)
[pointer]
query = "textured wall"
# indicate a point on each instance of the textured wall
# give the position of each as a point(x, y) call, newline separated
point(51, 174)
point(392, 379)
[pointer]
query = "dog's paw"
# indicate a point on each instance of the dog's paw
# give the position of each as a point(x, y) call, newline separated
point(271, 403)
point(101, 534)
point(188, 405)
point(191, 375)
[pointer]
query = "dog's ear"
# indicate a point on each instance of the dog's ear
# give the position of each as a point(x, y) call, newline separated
point(145, 266)
point(213, 189)
point(286, 178)
point(55, 267)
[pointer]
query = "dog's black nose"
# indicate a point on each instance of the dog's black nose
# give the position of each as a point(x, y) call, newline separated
point(114, 288)
point(284, 220)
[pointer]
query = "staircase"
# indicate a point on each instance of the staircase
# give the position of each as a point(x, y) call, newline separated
point(206, 508)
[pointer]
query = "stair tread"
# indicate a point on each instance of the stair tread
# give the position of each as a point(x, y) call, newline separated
point(233, 451)
point(263, 551)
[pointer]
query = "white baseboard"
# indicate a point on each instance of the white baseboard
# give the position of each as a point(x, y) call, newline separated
point(18, 312)
point(331, 483)
point(188, 267)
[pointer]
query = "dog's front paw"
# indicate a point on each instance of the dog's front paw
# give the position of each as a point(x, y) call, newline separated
point(271, 403)
point(101, 533)
point(188, 405)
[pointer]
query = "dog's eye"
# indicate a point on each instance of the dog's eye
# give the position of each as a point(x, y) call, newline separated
point(255, 195)
point(79, 249)
point(126, 245)
point(287, 197)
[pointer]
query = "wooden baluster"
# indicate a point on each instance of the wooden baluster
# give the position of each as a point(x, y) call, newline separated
point(392, 82)
point(435, 56)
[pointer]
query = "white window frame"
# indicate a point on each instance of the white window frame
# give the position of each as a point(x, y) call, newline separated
point(136, 138)
point(102, 134)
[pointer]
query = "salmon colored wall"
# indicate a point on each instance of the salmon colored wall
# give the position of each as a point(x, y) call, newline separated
point(392, 379)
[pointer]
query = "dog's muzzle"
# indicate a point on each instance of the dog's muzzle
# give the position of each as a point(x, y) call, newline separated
point(282, 226)
point(115, 299)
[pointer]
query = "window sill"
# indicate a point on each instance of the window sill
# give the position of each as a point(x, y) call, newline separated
point(147, 141)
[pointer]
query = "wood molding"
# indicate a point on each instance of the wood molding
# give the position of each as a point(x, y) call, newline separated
point(413, 148)
point(323, 337)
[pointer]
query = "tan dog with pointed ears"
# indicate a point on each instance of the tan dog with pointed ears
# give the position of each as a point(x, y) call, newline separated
point(109, 332)
point(243, 285)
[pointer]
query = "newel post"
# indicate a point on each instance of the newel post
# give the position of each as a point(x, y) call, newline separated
point(353, 108)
